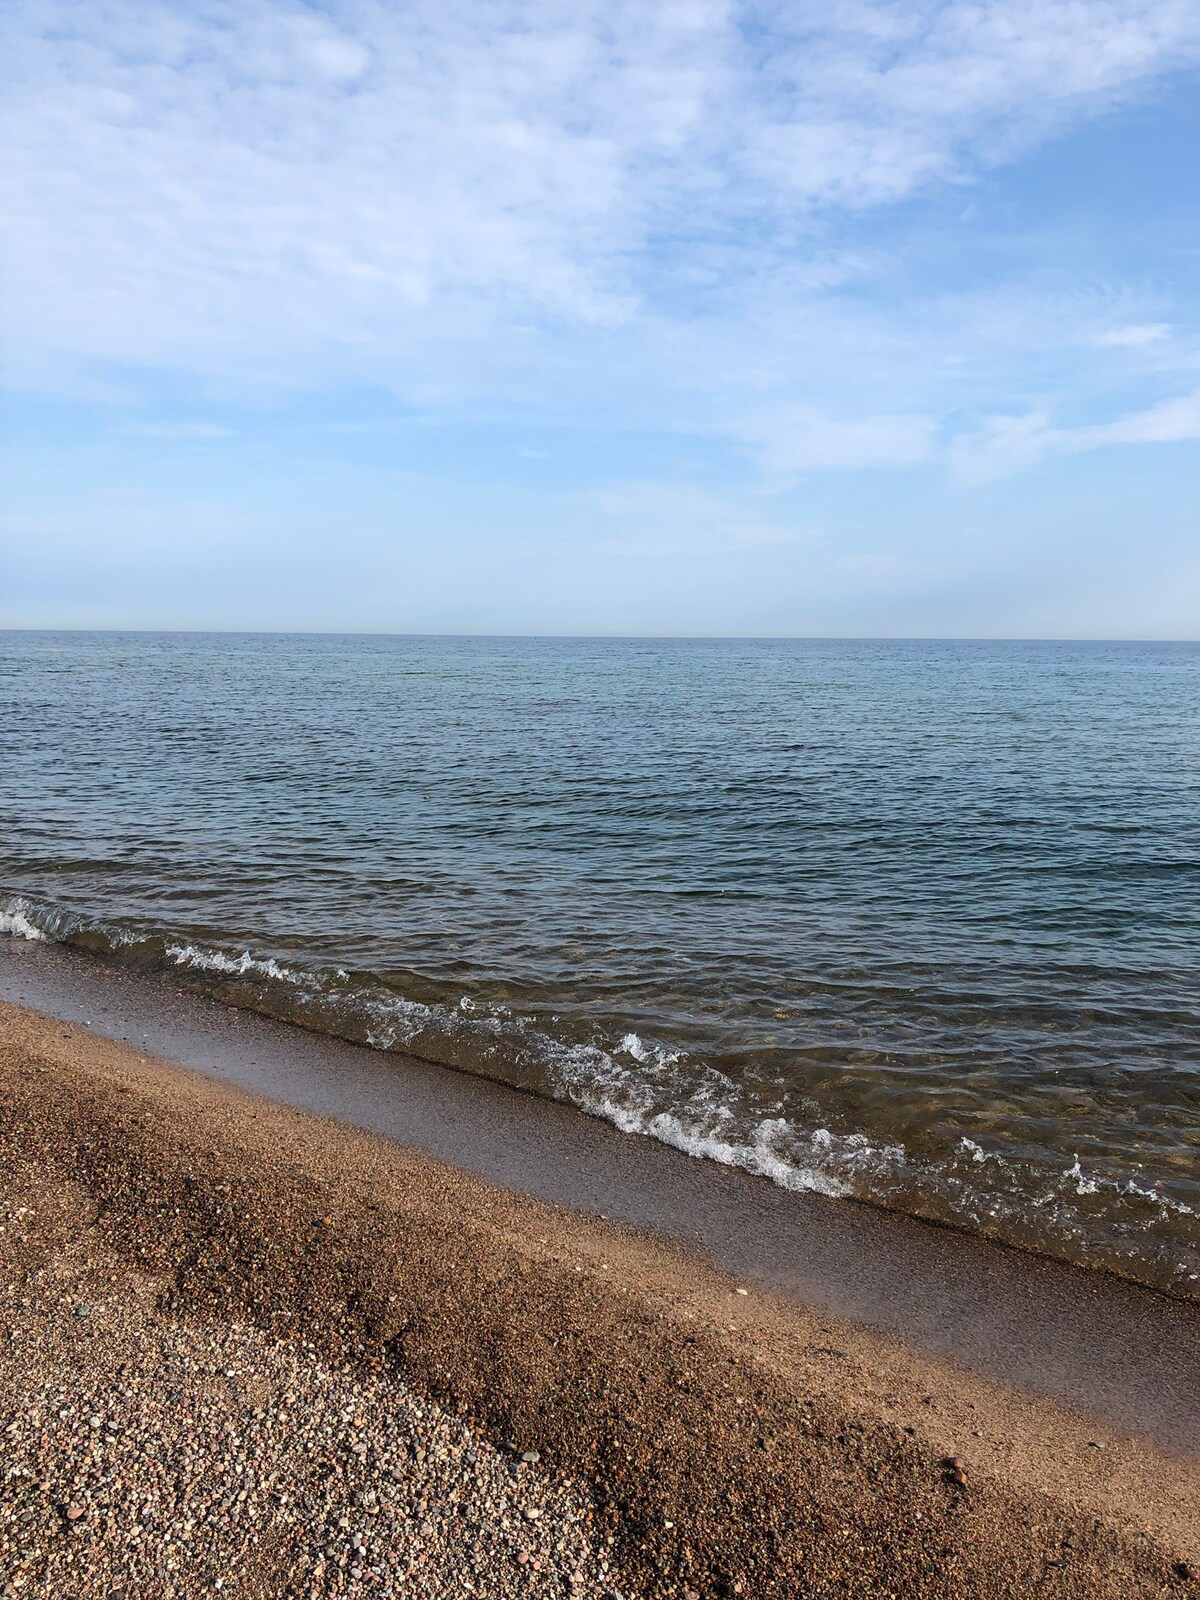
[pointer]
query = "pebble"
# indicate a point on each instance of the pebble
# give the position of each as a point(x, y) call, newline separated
point(200, 1485)
point(186, 1476)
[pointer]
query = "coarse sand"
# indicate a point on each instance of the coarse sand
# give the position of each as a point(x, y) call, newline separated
point(251, 1351)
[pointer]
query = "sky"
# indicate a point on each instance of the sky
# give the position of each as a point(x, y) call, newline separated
point(587, 316)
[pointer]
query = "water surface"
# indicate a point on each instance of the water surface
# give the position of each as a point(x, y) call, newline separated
point(918, 922)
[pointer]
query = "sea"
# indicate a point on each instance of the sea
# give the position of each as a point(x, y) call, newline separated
point(910, 923)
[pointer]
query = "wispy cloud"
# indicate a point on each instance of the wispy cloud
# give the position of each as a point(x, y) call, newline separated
point(1009, 444)
point(1133, 336)
point(650, 293)
point(305, 196)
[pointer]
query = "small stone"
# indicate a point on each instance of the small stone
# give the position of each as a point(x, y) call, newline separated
point(741, 1291)
point(532, 1457)
point(74, 1511)
point(1188, 1571)
point(83, 1311)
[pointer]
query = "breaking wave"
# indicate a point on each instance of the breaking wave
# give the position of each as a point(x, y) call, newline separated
point(647, 1088)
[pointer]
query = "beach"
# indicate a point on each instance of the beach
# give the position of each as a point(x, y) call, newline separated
point(600, 802)
point(422, 1382)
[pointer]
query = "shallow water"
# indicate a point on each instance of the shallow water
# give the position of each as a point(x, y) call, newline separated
point(914, 921)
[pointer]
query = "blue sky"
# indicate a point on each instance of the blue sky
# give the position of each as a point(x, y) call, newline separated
point(577, 317)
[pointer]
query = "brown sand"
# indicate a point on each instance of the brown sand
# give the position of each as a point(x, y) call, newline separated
point(691, 1436)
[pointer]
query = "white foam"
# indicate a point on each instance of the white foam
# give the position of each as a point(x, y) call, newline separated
point(190, 955)
point(397, 1021)
point(16, 923)
point(633, 1045)
point(646, 1088)
point(696, 1109)
point(1083, 1184)
point(759, 1153)
point(1125, 1190)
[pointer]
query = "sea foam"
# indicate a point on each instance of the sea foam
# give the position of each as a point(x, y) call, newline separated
point(643, 1087)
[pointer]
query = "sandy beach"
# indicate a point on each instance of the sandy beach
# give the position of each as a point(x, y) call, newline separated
point(251, 1350)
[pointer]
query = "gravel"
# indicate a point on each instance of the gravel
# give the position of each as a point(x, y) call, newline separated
point(146, 1456)
point(316, 1363)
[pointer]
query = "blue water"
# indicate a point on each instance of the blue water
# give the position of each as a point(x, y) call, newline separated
point(917, 922)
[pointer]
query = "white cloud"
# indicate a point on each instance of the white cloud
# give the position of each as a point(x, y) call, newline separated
point(248, 192)
point(1131, 337)
point(1170, 422)
point(1009, 444)
point(870, 100)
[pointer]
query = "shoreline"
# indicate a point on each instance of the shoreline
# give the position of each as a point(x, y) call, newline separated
point(1123, 1352)
point(724, 1432)
point(1140, 1232)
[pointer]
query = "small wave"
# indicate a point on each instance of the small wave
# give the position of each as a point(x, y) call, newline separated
point(16, 921)
point(644, 1087)
point(695, 1109)
point(22, 918)
point(210, 960)
point(1092, 1185)
point(632, 1045)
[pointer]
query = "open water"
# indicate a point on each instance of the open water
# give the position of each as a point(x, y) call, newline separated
point(917, 922)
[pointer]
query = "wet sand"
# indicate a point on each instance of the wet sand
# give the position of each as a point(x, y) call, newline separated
point(722, 1420)
point(1123, 1353)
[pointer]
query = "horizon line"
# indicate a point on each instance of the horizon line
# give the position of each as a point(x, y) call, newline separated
point(632, 638)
